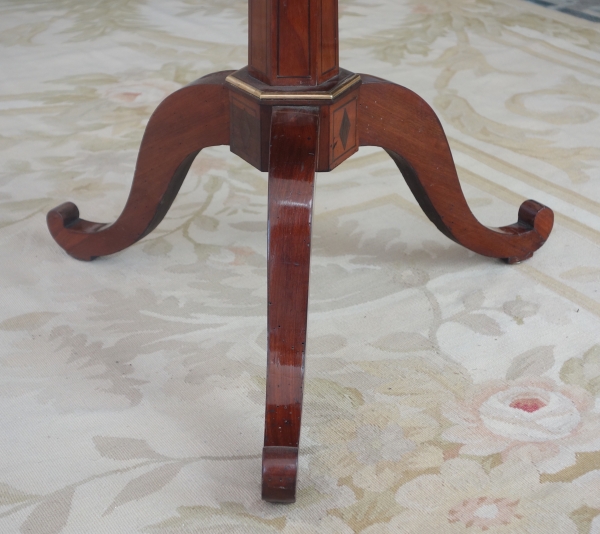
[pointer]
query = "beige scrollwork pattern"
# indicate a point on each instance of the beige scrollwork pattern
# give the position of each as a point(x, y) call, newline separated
point(445, 392)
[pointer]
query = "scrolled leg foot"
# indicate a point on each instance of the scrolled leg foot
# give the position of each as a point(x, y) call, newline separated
point(279, 474)
point(63, 216)
point(533, 217)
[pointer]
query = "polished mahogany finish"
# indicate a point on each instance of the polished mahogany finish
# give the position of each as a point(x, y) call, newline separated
point(292, 112)
point(193, 118)
point(414, 138)
point(252, 103)
point(294, 134)
point(293, 42)
point(279, 474)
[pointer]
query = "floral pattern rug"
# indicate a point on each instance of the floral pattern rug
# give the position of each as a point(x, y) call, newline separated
point(445, 392)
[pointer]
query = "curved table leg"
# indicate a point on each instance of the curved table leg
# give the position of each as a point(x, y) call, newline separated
point(193, 118)
point(401, 122)
point(294, 137)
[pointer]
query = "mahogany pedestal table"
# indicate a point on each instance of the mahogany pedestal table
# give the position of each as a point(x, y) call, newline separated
point(293, 112)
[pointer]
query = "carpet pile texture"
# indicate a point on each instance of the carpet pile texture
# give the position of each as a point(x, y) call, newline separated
point(445, 392)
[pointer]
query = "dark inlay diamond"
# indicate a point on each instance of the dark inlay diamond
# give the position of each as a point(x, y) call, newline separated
point(345, 129)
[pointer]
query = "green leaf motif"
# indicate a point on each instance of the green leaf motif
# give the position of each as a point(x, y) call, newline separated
point(534, 362)
point(51, 515)
point(27, 321)
point(584, 371)
point(583, 518)
point(230, 517)
point(10, 495)
point(337, 395)
point(145, 485)
point(371, 508)
point(403, 342)
point(481, 324)
point(124, 448)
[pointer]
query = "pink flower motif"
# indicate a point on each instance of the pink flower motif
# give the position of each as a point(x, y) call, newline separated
point(484, 512)
point(466, 498)
point(532, 418)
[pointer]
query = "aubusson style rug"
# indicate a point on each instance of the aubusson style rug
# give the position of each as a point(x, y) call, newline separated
point(445, 392)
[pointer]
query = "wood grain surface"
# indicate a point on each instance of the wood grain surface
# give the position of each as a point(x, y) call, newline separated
point(193, 118)
point(294, 141)
point(401, 122)
point(293, 43)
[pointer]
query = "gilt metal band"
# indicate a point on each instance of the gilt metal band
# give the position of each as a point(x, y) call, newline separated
point(307, 95)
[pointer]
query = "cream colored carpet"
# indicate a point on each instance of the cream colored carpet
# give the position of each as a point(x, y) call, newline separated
point(445, 392)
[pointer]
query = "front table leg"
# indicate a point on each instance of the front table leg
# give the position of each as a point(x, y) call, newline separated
point(294, 138)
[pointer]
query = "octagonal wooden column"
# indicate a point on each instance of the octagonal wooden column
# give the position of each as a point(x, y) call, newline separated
point(293, 42)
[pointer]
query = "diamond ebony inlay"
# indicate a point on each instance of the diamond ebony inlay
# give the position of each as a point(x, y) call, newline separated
point(345, 129)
